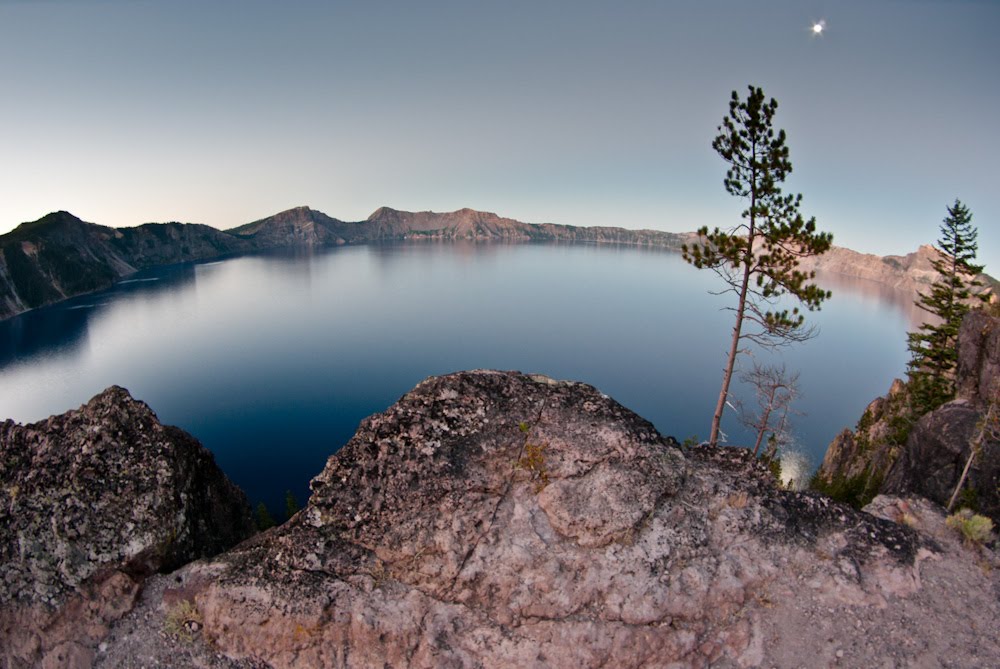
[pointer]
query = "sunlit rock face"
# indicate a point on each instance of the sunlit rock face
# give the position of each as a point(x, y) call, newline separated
point(499, 519)
point(92, 502)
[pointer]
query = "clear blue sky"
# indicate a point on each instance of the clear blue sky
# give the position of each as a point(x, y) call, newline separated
point(576, 112)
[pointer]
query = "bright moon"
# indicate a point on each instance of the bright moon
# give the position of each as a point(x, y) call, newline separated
point(817, 28)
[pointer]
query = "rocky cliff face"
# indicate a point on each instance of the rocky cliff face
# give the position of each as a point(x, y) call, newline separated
point(857, 461)
point(939, 444)
point(893, 452)
point(54, 258)
point(979, 358)
point(496, 519)
point(91, 503)
point(60, 256)
point(908, 273)
point(155, 244)
point(469, 224)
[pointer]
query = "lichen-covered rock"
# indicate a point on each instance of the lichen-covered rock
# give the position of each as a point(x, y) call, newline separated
point(498, 519)
point(91, 502)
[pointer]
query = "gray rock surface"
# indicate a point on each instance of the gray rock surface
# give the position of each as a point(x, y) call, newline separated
point(91, 503)
point(497, 519)
point(935, 454)
point(978, 373)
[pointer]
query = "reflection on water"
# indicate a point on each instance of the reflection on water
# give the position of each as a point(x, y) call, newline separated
point(272, 360)
point(61, 329)
point(902, 300)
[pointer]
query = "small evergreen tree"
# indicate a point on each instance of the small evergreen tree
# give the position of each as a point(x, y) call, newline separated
point(933, 348)
point(263, 517)
point(759, 258)
point(291, 505)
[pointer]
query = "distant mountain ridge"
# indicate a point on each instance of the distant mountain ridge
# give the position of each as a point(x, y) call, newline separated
point(60, 256)
point(305, 225)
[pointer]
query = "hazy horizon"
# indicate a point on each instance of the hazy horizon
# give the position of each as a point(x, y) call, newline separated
point(131, 111)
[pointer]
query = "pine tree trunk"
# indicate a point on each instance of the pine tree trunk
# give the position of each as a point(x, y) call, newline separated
point(734, 347)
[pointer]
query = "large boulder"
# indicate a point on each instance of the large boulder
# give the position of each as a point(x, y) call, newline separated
point(497, 519)
point(936, 453)
point(92, 502)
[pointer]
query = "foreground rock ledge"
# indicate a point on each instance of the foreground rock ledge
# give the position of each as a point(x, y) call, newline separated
point(496, 519)
point(91, 503)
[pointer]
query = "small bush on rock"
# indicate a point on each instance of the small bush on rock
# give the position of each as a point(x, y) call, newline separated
point(975, 529)
point(183, 620)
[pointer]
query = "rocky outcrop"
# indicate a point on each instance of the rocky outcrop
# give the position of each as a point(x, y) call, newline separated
point(154, 244)
point(92, 502)
point(935, 454)
point(56, 257)
point(497, 519)
point(939, 443)
point(485, 519)
point(300, 226)
point(856, 461)
point(893, 452)
point(469, 224)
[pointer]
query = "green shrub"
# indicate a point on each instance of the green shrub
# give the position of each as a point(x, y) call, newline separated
point(857, 491)
point(975, 529)
point(969, 499)
point(774, 466)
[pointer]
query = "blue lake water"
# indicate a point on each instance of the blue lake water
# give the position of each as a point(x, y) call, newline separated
point(272, 360)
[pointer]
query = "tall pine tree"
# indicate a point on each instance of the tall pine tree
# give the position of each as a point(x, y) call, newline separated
point(758, 259)
point(933, 348)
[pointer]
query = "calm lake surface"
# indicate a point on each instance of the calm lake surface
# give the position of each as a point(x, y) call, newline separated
point(272, 360)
